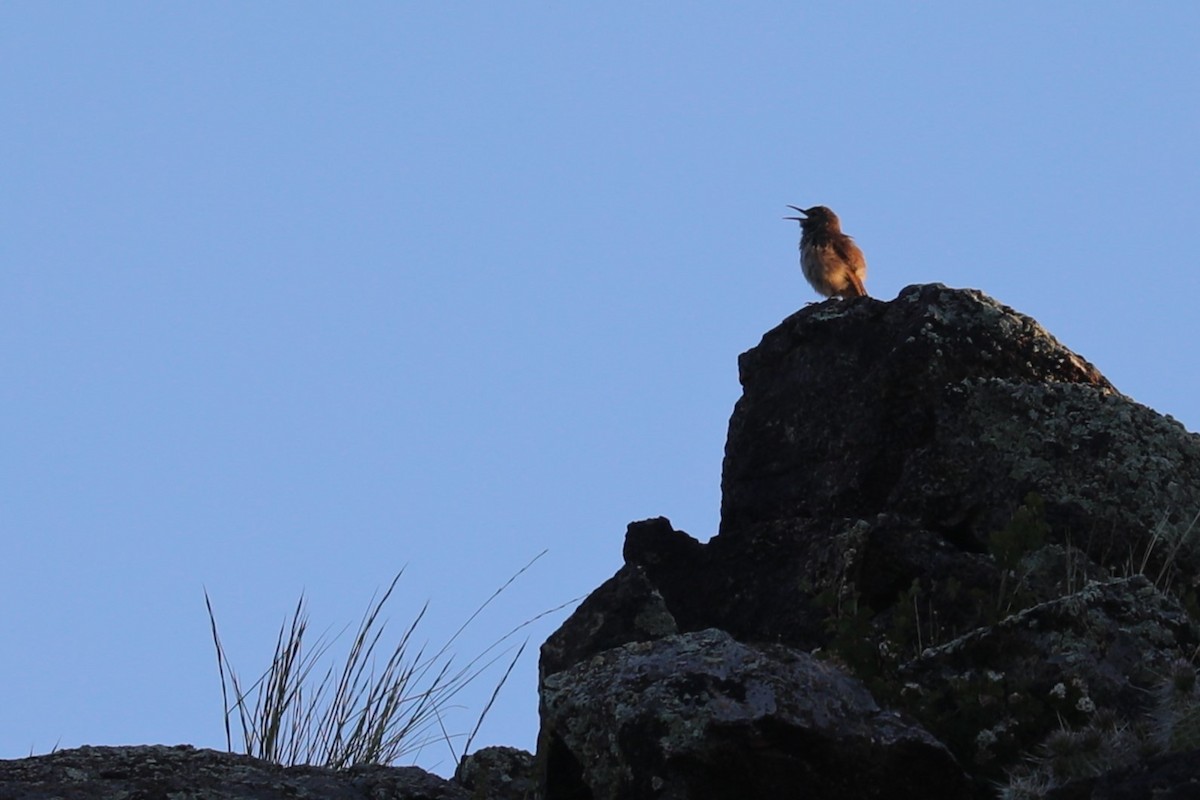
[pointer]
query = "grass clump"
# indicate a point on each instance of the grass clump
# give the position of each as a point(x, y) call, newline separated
point(375, 707)
point(1026, 532)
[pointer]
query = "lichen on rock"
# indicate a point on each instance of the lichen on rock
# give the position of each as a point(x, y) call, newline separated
point(937, 497)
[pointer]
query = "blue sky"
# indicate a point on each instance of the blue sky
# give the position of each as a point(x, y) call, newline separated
point(296, 294)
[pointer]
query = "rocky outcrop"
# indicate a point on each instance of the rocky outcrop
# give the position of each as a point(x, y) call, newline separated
point(953, 562)
point(1172, 777)
point(949, 509)
point(122, 773)
point(498, 773)
point(155, 772)
point(945, 409)
point(700, 715)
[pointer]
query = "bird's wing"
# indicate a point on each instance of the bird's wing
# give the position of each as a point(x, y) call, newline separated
point(849, 253)
point(853, 258)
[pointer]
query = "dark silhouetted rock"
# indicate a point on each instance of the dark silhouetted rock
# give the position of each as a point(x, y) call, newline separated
point(498, 773)
point(626, 608)
point(160, 773)
point(936, 495)
point(995, 692)
point(946, 408)
point(1173, 777)
point(953, 561)
point(701, 716)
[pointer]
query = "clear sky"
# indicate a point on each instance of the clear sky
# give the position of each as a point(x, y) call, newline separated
point(295, 294)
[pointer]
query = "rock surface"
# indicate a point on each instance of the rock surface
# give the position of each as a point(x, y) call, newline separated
point(702, 716)
point(163, 773)
point(1173, 777)
point(498, 773)
point(941, 501)
point(944, 408)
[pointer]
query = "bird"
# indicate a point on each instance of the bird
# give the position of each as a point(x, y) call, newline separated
point(830, 260)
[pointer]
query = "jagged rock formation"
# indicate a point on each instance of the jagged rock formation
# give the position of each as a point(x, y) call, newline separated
point(953, 562)
point(942, 502)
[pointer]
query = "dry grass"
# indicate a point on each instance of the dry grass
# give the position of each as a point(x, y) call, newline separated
point(357, 712)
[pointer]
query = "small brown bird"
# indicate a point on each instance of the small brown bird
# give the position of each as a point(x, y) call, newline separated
point(830, 259)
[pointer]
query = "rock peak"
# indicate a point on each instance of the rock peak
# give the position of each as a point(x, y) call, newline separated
point(841, 397)
point(942, 505)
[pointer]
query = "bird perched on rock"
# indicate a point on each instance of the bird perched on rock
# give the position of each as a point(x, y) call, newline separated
point(830, 259)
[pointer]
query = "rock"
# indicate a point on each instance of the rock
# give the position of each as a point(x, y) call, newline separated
point(122, 773)
point(953, 560)
point(626, 608)
point(945, 408)
point(701, 716)
point(1173, 777)
point(498, 773)
point(941, 499)
point(995, 692)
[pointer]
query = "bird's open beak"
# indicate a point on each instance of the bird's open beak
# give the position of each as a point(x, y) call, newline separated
point(801, 210)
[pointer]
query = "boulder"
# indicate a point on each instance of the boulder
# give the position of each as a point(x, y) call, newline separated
point(498, 773)
point(939, 499)
point(121, 773)
point(702, 716)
